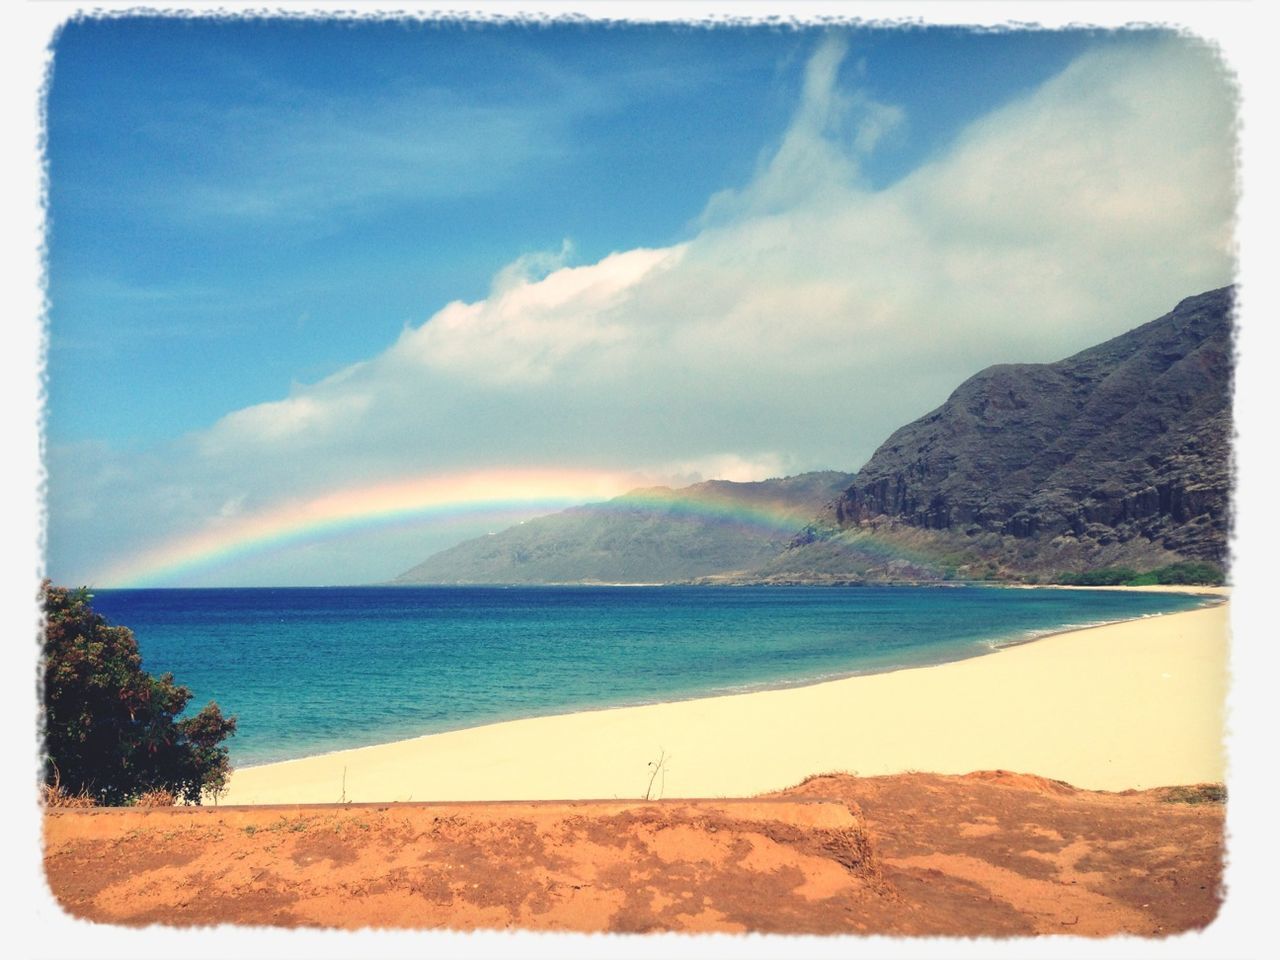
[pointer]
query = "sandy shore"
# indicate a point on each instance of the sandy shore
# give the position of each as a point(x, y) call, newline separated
point(1130, 705)
point(1205, 591)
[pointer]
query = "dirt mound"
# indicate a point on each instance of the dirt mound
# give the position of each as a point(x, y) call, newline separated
point(727, 865)
point(1022, 781)
point(990, 854)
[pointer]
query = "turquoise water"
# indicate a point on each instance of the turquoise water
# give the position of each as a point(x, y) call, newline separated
point(310, 670)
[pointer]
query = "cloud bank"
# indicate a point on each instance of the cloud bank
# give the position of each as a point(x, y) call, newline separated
point(804, 318)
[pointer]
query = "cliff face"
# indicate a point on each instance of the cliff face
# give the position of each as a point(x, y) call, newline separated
point(1126, 442)
point(646, 536)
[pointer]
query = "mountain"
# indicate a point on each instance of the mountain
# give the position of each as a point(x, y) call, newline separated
point(1119, 454)
point(645, 536)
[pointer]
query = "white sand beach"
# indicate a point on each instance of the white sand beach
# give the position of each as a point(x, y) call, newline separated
point(1130, 705)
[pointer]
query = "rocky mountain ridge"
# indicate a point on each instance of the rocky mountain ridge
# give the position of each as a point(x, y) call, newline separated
point(1117, 455)
point(1125, 443)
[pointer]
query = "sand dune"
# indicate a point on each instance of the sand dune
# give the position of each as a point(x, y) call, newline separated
point(1130, 705)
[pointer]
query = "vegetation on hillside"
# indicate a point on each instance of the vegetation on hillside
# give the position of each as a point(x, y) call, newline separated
point(111, 730)
point(1196, 794)
point(1192, 572)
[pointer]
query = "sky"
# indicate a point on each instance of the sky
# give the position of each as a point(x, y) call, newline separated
point(325, 297)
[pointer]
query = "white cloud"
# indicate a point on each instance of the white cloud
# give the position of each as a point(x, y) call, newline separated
point(724, 466)
point(832, 127)
point(313, 412)
point(806, 318)
point(527, 329)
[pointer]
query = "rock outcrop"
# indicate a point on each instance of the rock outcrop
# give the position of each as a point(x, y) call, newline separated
point(1128, 442)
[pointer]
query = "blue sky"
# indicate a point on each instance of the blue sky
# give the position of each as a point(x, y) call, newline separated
point(297, 257)
point(239, 205)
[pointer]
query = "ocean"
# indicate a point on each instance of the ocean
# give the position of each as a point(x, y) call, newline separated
point(311, 670)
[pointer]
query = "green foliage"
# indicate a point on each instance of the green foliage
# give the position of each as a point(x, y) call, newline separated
point(111, 728)
point(1201, 793)
point(1101, 577)
point(1196, 572)
point(1193, 572)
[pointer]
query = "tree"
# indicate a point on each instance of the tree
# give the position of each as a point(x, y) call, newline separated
point(111, 729)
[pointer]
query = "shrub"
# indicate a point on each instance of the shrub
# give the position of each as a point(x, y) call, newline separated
point(110, 728)
point(1101, 577)
point(1197, 572)
point(1197, 794)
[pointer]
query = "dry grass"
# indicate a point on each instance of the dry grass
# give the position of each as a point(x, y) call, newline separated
point(156, 798)
point(821, 776)
point(52, 795)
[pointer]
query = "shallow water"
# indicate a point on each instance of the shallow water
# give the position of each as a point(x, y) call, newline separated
point(310, 670)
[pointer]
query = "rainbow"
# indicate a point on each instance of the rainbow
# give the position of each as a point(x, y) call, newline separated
point(767, 517)
point(440, 497)
point(501, 496)
point(860, 550)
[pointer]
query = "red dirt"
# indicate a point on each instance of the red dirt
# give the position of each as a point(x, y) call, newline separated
point(993, 854)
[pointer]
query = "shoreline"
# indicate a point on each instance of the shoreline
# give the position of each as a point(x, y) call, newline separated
point(1202, 590)
point(981, 648)
point(768, 739)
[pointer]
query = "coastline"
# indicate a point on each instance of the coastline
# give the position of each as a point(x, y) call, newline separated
point(1210, 595)
point(1204, 590)
point(1133, 704)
